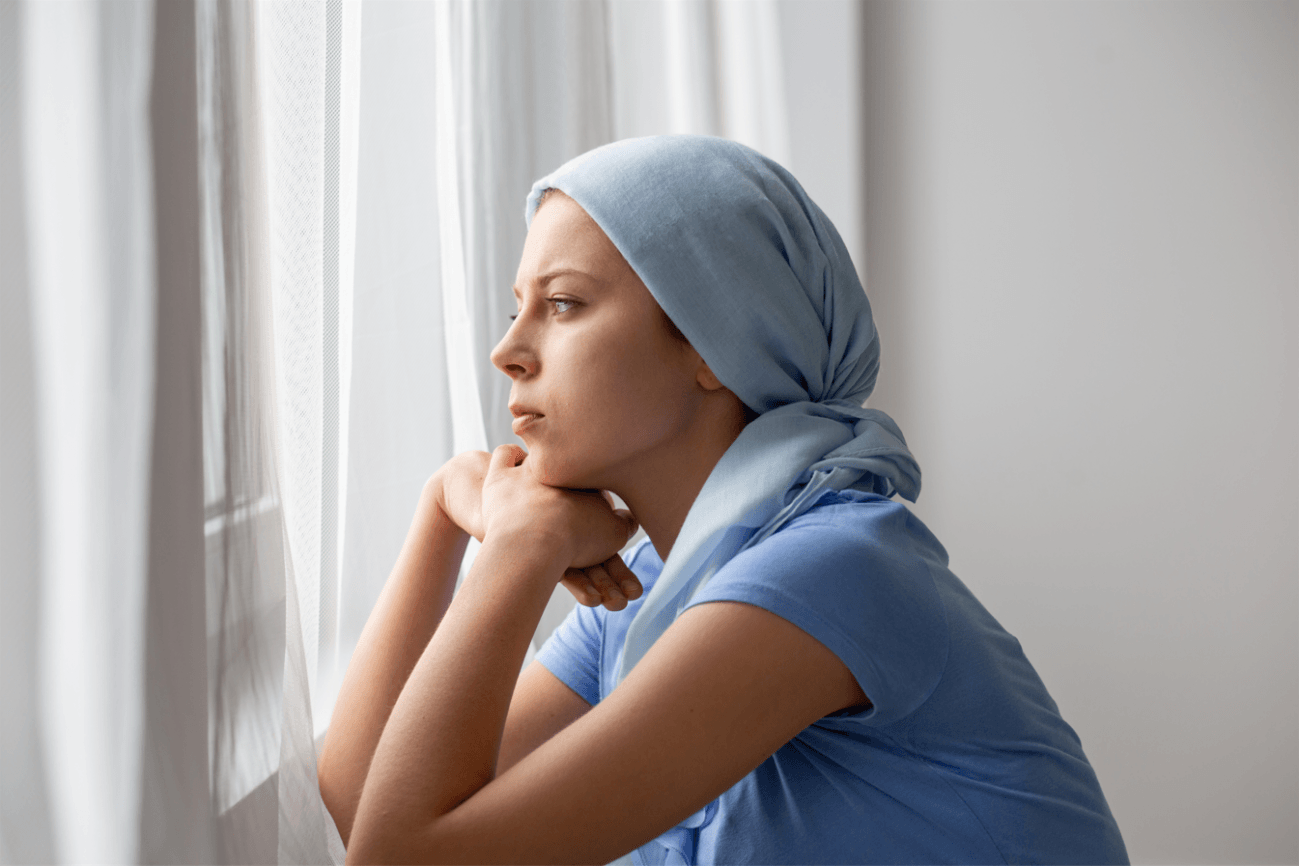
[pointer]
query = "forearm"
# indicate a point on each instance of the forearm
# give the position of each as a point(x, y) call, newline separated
point(408, 611)
point(441, 743)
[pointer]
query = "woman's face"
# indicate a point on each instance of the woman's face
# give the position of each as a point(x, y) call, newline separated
point(602, 389)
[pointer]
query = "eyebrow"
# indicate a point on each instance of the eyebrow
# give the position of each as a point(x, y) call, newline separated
point(545, 278)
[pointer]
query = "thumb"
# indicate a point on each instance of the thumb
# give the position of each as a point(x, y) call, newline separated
point(630, 519)
point(506, 457)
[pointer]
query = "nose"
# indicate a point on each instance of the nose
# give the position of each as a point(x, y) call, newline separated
point(512, 355)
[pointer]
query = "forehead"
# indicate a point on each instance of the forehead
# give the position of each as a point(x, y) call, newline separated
point(563, 237)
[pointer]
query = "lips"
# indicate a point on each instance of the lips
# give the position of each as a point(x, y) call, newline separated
point(524, 418)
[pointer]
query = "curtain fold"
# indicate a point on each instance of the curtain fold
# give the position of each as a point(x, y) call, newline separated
point(707, 67)
point(79, 408)
point(278, 304)
point(25, 831)
point(175, 822)
point(244, 557)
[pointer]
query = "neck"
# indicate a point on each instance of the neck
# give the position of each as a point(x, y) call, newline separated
point(663, 486)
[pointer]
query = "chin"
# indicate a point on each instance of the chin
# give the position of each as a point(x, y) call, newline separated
point(557, 470)
point(547, 469)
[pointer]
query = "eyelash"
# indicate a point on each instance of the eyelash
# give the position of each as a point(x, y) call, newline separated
point(554, 301)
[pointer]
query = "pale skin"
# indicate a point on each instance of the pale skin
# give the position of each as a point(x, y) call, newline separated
point(439, 751)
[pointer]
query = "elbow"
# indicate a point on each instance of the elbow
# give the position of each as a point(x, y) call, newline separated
point(361, 851)
point(342, 808)
point(378, 845)
point(379, 838)
point(357, 854)
point(372, 837)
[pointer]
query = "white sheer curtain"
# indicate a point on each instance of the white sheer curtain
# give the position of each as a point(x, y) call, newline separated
point(253, 259)
point(76, 337)
point(277, 119)
point(710, 68)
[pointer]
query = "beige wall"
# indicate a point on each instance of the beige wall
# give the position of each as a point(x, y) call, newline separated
point(1082, 235)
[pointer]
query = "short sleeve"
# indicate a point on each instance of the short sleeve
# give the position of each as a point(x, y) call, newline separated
point(572, 652)
point(851, 575)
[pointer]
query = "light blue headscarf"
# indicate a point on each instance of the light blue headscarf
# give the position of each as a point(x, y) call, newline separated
point(759, 281)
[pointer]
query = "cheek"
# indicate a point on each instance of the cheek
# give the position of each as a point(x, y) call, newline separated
point(627, 386)
point(613, 400)
point(632, 403)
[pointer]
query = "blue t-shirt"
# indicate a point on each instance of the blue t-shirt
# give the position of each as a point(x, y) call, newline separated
point(962, 756)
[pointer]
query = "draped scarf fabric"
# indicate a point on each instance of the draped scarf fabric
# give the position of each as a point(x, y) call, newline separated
point(758, 280)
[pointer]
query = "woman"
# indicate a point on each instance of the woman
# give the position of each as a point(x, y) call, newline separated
point(803, 679)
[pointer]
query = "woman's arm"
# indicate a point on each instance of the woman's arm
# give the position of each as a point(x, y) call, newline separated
point(412, 603)
point(724, 688)
point(408, 611)
point(542, 706)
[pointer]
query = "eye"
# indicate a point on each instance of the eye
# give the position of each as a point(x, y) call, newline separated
point(561, 305)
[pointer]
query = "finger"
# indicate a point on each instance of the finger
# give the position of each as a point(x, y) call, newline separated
point(582, 591)
point(610, 594)
point(576, 582)
point(626, 579)
point(609, 591)
point(506, 457)
point(632, 523)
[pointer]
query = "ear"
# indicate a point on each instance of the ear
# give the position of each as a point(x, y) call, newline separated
point(706, 378)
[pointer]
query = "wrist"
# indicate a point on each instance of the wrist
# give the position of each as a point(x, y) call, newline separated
point(533, 554)
point(434, 488)
point(433, 506)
